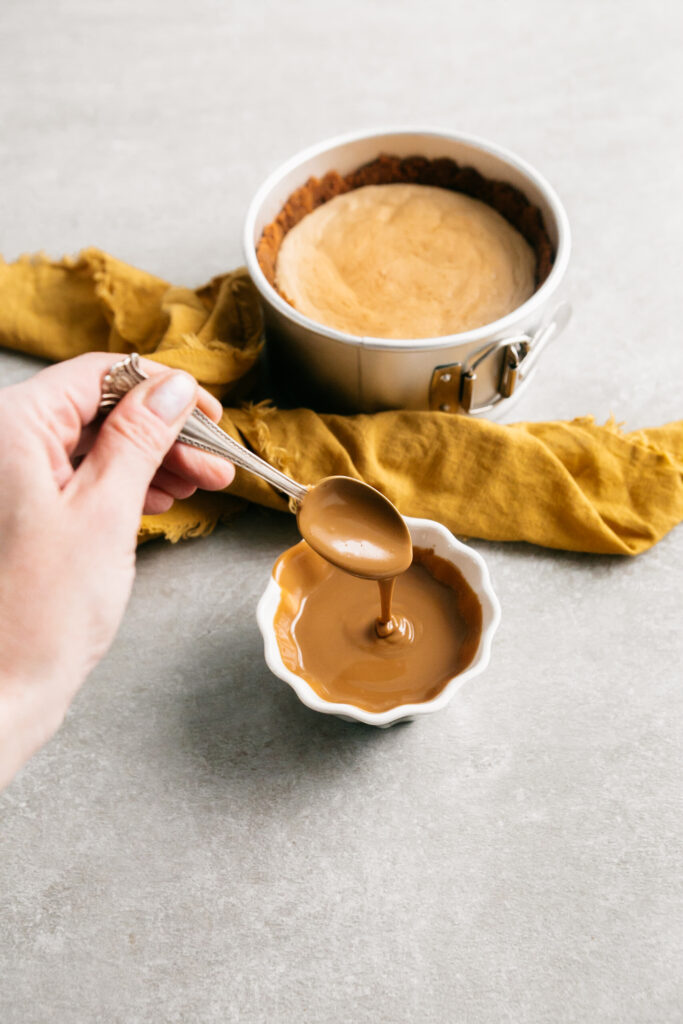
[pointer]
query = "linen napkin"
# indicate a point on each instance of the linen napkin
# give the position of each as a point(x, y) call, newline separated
point(573, 485)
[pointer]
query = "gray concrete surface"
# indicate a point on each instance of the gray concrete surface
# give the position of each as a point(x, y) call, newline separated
point(195, 846)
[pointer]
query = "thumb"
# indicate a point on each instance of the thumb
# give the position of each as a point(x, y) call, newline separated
point(135, 437)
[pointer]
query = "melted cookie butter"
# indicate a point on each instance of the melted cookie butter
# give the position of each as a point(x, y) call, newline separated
point(325, 630)
point(356, 528)
point(404, 261)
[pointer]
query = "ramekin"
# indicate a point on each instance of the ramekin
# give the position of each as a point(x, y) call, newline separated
point(425, 533)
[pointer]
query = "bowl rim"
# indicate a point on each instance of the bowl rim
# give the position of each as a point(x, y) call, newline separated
point(533, 304)
point(269, 601)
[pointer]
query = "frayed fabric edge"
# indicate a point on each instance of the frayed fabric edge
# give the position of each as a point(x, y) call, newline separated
point(177, 525)
point(178, 531)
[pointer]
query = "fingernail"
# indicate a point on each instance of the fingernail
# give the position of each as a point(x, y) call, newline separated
point(173, 394)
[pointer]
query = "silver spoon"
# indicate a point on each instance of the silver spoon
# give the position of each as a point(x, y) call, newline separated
point(367, 535)
point(198, 430)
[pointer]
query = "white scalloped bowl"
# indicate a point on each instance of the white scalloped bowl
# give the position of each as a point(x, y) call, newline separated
point(425, 533)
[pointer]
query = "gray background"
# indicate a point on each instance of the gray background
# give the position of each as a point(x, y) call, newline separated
point(196, 846)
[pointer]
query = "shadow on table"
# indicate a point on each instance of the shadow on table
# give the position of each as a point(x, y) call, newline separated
point(255, 723)
point(232, 721)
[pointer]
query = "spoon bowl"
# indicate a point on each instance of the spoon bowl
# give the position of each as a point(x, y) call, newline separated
point(356, 528)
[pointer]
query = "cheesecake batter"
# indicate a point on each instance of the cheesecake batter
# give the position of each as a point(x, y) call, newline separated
point(404, 261)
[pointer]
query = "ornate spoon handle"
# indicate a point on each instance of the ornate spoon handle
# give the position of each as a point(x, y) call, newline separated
point(198, 430)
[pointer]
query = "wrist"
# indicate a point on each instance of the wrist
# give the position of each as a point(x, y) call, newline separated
point(30, 715)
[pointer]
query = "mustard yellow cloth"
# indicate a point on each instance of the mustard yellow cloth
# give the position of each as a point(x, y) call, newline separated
point(573, 485)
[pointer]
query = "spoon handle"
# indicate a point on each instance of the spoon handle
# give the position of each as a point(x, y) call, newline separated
point(198, 430)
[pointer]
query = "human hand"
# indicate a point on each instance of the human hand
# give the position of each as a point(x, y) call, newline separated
point(68, 529)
